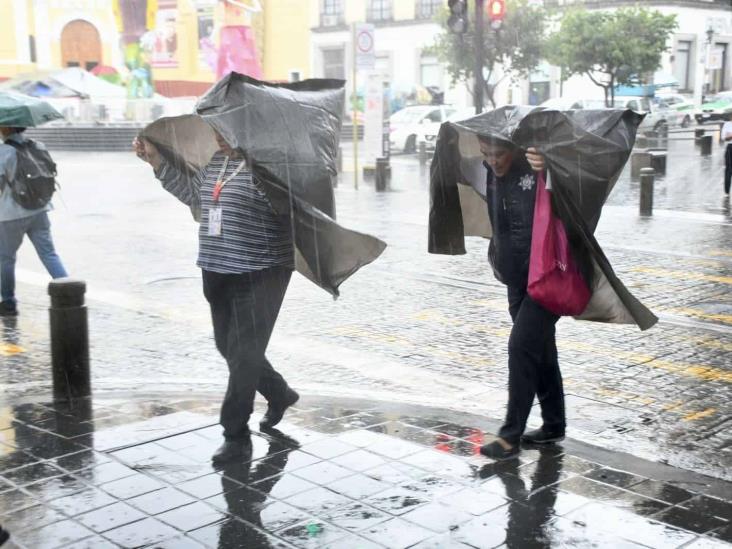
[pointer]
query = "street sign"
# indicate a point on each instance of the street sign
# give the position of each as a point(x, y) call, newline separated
point(364, 41)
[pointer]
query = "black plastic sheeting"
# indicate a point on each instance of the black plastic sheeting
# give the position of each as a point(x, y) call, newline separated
point(585, 152)
point(289, 134)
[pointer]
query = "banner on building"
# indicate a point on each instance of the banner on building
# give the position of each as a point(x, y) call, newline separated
point(163, 40)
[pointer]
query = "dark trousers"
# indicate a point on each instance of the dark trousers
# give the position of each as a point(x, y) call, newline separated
point(244, 309)
point(727, 168)
point(533, 367)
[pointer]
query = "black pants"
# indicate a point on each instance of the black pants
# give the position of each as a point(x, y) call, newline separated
point(244, 309)
point(533, 367)
point(727, 168)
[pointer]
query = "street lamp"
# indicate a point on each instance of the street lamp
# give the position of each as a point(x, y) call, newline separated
point(710, 37)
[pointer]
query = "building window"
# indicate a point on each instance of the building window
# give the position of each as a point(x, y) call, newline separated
point(379, 10)
point(682, 64)
point(427, 9)
point(430, 72)
point(331, 13)
point(334, 63)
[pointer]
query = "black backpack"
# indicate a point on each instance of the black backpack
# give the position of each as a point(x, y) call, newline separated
point(35, 176)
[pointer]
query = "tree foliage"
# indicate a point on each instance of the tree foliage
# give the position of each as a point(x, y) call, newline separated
point(516, 48)
point(611, 48)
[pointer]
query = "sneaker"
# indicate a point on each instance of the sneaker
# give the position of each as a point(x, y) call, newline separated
point(8, 309)
point(540, 436)
point(233, 450)
point(496, 450)
point(276, 410)
point(4, 535)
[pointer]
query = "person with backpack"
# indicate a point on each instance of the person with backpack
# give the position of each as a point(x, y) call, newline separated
point(27, 182)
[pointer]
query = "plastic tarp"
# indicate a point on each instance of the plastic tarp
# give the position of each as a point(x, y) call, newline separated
point(585, 151)
point(289, 134)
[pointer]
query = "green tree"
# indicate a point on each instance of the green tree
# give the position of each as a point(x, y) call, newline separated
point(612, 48)
point(517, 47)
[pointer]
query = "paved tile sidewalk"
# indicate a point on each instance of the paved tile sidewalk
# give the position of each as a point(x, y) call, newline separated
point(123, 471)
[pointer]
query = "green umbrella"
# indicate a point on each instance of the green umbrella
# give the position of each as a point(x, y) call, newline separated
point(18, 110)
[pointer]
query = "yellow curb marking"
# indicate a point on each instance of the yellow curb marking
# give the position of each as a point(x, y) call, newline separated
point(725, 253)
point(8, 349)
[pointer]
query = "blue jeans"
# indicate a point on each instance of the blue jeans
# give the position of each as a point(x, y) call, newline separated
point(38, 229)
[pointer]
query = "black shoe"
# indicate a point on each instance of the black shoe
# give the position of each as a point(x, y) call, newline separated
point(232, 450)
point(4, 535)
point(276, 410)
point(495, 450)
point(8, 309)
point(540, 436)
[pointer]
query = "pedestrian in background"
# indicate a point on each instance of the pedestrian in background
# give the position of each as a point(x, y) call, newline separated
point(17, 221)
point(727, 138)
point(246, 258)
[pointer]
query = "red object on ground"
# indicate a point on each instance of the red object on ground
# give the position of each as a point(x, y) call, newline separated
point(555, 281)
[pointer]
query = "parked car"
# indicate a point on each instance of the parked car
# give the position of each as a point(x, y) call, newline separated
point(680, 103)
point(716, 108)
point(657, 116)
point(407, 126)
point(431, 130)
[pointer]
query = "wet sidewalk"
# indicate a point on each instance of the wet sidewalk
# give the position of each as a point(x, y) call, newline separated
point(134, 471)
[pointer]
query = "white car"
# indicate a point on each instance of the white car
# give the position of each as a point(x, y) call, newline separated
point(680, 103)
point(657, 116)
point(407, 126)
point(430, 132)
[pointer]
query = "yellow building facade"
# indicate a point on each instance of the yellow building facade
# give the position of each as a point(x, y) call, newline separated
point(184, 40)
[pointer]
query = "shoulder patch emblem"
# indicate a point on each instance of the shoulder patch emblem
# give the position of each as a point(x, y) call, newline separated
point(526, 182)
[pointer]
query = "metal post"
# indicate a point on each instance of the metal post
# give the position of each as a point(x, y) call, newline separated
point(69, 339)
point(646, 191)
point(382, 174)
point(706, 145)
point(422, 153)
point(354, 107)
point(478, 91)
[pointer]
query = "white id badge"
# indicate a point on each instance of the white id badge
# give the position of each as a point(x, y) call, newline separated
point(214, 221)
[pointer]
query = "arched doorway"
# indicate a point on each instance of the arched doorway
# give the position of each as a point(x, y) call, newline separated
point(80, 45)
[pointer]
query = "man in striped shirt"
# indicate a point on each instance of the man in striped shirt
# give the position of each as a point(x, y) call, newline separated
point(246, 258)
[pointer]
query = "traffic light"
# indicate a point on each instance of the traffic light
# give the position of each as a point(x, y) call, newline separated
point(458, 20)
point(496, 11)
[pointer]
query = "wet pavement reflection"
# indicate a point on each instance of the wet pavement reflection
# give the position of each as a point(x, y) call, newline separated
point(336, 474)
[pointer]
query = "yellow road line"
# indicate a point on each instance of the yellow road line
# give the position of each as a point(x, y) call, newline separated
point(8, 349)
point(693, 416)
point(683, 275)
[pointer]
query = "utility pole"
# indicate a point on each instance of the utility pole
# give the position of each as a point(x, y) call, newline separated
point(479, 55)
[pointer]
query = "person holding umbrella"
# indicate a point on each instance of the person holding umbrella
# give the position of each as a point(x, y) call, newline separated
point(18, 220)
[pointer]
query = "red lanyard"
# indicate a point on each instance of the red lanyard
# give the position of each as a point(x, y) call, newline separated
point(220, 182)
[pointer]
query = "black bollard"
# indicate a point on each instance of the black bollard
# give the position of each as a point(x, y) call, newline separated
point(69, 339)
point(706, 145)
point(647, 175)
point(422, 153)
point(382, 174)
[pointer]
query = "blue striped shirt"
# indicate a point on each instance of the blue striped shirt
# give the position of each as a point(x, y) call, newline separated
point(253, 236)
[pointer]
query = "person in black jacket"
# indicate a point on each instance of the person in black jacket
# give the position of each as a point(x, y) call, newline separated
point(533, 367)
